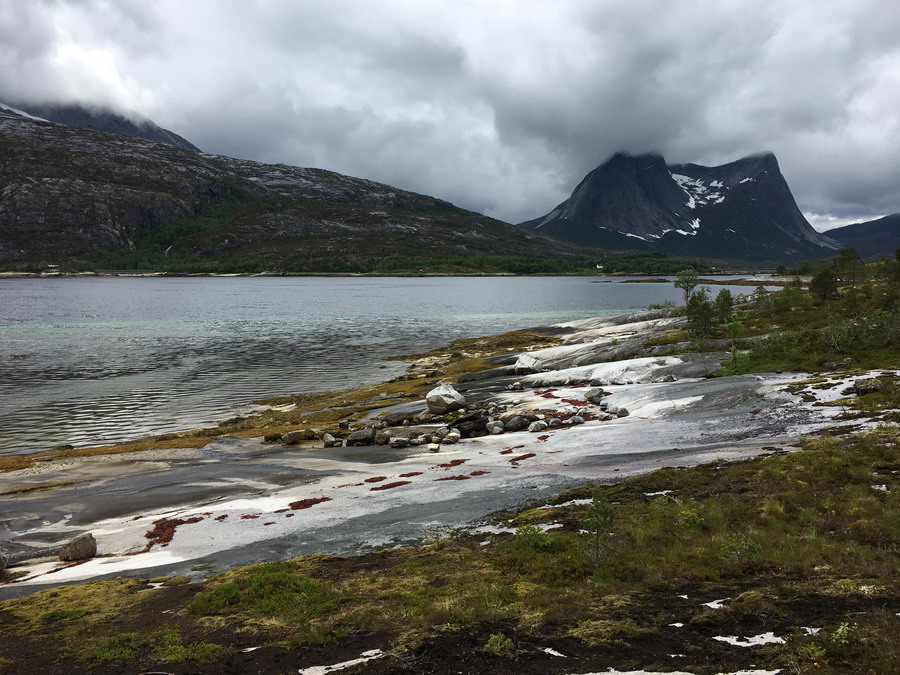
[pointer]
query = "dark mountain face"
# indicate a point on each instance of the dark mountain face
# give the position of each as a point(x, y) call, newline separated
point(69, 194)
point(743, 210)
point(873, 239)
point(102, 119)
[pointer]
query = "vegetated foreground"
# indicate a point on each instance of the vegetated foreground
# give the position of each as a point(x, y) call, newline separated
point(782, 563)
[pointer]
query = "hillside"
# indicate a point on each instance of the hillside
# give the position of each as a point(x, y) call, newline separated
point(873, 239)
point(85, 199)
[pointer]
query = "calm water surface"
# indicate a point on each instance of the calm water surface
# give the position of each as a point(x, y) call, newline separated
point(89, 361)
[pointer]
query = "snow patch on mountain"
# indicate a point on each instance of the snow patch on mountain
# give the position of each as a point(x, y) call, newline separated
point(698, 192)
point(20, 113)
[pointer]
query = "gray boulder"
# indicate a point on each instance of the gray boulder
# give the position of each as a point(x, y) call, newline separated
point(82, 547)
point(869, 385)
point(540, 425)
point(291, 438)
point(576, 419)
point(515, 423)
point(555, 422)
point(365, 436)
point(594, 395)
point(399, 442)
point(443, 399)
point(330, 441)
point(495, 427)
point(623, 412)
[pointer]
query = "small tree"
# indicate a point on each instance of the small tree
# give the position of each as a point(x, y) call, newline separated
point(823, 285)
point(597, 525)
point(724, 306)
point(687, 281)
point(700, 313)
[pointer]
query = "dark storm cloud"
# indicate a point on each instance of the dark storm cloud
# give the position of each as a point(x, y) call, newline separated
point(500, 106)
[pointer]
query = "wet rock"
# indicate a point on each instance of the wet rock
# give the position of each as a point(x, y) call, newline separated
point(82, 547)
point(291, 438)
point(365, 436)
point(399, 442)
point(330, 441)
point(443, 399)
point(515, 423)
point(576, 419)
point(394, 419)
point(869, 385)
point(555, 422)
point(495, 427)
point(526, 363)
point(594, 395)
point(382, 437)
point(540, 425)
point(515, 386)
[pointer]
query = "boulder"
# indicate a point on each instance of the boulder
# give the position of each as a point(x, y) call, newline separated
point(434, 447)
point(623, 412)
point(534, 427)
point(330, 441)
point(576, 419)
point(291, 438)
point(526, 363)
point(555, 422)
point(399, 442)
point(365, 436)
point(451, 437)
point(495, 427)
point(599, 382)
point(82, 547)
point(594, 395)
point(470, 423)
point(515, 423)
point(394, 419)
point(612, 409)
point(382, 437)
point(443, 399)
point(515, 386)
point(869, 385)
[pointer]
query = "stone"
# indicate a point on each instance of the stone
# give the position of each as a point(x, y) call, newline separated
point(434, 447)
point(515, 386)
point(4, 563)
point(526, 363)
point(619, 382)
point(495, 427)
point(576, 419)
point(594, 395)
point(394, 419)
point(451, 437)
point(291, 437)
point(399, 442)
point(605, 417)
point(515, 423)
point(365, 436)
point(82, 547)
point(534, 427)
point(329, 441)
point(382, 437)
point(612, 409)
point(443, 399)
point(623, 412)
point(555, 422)
point(869, 385)
point(599, 382)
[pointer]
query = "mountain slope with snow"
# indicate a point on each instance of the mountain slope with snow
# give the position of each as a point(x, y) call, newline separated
point(743, 210)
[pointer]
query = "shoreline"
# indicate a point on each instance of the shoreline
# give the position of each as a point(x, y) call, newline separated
point(668, 397)
point(138, 275)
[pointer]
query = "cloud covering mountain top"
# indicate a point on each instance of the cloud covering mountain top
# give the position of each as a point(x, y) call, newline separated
point(495, 105)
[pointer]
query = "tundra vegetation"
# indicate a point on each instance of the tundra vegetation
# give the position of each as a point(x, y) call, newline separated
point(803, 544)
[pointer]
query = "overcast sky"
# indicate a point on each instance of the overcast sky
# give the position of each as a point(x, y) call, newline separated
point(500, 106)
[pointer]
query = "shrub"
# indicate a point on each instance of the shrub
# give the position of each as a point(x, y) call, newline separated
point(498, 644)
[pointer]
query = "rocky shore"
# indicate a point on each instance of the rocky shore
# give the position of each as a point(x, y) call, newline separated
point(611, 397)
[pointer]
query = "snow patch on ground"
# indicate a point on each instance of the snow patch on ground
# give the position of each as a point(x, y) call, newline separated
point(370, 655)
point(755, 641)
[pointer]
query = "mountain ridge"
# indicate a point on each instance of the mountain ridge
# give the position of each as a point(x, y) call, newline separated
point(872, 238)
point(741, 210)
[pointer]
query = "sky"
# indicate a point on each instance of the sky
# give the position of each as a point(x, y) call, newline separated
point(499, 106)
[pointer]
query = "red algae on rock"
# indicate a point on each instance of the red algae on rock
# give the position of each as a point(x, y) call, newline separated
point(451, 464)
point(528, 455)
point(460, 477)
point(410, 474)
point(375, 479)
point(306, 503)
point(222, 517)
point(388, 486)
point(164, 530)
point(479, 473)
point(249, 516)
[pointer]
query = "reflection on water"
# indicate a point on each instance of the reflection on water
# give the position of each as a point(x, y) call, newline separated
point(90, 361)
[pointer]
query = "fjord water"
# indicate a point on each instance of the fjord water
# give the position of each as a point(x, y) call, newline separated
point(86, 361)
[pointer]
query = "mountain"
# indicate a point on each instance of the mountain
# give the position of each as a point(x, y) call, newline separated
point(99, 200)
point(100, 119)
point(873, 239)
point(743, 210)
